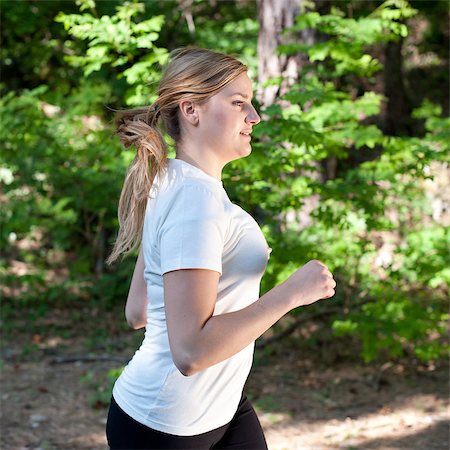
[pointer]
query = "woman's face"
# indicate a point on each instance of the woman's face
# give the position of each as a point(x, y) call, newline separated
point(226, 120)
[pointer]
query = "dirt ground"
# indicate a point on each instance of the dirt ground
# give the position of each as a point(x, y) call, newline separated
point(55, 388)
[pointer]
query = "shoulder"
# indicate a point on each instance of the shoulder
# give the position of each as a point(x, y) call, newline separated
point(187, 182)
point(196, 199)
point(200, 190)
point(191, 199)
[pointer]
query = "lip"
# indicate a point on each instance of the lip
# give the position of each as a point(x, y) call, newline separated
point(246, 133)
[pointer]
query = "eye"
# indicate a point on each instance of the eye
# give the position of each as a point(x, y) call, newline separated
point(238, 102)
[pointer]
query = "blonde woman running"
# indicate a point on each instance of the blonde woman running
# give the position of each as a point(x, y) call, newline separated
point(200, 265)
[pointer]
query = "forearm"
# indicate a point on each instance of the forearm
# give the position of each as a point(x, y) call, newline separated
point(224, 335)
point(136, 306)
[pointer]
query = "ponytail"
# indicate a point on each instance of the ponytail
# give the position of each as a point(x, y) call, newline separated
point(137, 127)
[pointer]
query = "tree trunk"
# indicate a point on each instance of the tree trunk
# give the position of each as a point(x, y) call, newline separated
point(397, 108)
point(274, 16)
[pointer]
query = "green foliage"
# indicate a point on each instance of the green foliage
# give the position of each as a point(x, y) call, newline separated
point(53, 165)
point(347, 37)
point(233, 35)
point(119, 41)
point(397, 322)
point(425, 257)
point(31, 50)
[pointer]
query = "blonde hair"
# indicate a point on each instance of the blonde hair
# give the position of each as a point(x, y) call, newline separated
point(193, 74)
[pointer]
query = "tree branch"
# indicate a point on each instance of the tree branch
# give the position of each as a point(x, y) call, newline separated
point(85, 358)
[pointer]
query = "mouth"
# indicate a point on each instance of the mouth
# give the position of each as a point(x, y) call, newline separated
point(245, 133)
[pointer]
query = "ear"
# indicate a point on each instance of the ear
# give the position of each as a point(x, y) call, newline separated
point(189, 111)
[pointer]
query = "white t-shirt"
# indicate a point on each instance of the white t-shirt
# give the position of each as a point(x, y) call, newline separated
point(191, 223)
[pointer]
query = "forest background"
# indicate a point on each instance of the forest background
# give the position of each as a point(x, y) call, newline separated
point(349, 166)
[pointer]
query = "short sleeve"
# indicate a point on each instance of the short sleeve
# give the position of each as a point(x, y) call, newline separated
point(192, 233)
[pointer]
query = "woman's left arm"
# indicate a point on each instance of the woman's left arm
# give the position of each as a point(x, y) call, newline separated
point(136, 307)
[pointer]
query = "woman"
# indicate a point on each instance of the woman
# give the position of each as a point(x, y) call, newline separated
point(200, 264)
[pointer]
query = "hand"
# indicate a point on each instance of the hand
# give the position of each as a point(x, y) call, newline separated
point(309, 284)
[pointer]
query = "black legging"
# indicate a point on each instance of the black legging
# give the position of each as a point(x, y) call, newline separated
point(243, 432)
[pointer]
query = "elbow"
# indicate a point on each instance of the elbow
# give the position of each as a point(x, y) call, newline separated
point(136, 325)
point(185, 370)
point(136, 322)
point(136, 313)
point(186, 365)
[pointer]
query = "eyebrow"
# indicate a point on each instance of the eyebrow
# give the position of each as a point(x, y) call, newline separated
point(239, 93)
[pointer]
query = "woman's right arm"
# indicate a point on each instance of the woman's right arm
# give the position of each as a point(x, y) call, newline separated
point(199, 340)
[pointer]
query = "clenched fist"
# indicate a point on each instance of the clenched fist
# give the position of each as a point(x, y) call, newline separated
point(309, 284)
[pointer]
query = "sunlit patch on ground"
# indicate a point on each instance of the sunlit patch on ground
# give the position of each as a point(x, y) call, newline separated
point(403, 428)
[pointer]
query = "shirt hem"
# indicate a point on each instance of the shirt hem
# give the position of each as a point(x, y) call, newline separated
point(177, 264)
point(169, 429)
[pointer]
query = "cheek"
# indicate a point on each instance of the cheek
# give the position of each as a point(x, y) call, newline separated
point(219, 128)
point(221, 119)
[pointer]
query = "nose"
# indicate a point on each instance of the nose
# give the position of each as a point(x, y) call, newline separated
point(253, 116)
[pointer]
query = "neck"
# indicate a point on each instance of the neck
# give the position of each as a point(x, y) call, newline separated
point(208, 164)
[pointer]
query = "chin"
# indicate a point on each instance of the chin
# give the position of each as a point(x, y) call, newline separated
point(243, 152)
point(239, 153)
